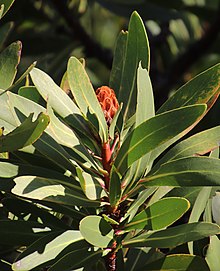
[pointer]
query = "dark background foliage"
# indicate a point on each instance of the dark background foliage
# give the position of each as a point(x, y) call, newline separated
point(183, 34)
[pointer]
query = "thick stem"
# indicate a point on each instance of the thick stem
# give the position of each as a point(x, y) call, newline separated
point(110, 259)
point(106, 161)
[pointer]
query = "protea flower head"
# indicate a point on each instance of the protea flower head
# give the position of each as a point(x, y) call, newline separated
point(108, 102)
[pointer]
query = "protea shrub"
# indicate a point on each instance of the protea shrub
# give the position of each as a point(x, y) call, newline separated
point(101, 181)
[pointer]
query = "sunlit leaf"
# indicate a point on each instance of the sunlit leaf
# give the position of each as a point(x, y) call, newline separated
point(137, 49)
point(96, 231)
point(46, 249)
point(84, 94)
point(155, 132)
point(212, 255)
point(26, 134)
point(9, 60)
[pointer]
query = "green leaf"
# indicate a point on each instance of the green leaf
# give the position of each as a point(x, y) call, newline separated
point(138, 257)
point(9, 60)
point(96, 231)
point(76, 259)
point(23, 209)
point(189, 171)
point(200, 89)
point(159, 215)
point(7, 4)
point(46, 249)
point(144, 111)
point(4, 32)
point(85, 96)
point(21, 232)
point(23, 76)
point(145, 99)
point(118, 62)
point(58, 99)
point(174, 236)
point(212, 255)
point(113, 125)
point(137, 49)
point(26, 134)
point(197, 144)
point(89, 184)
point(198, 208)
point(30, 92)
point(154, 132)
point(114, 188)
point(177, 262)
point(142, 197)
point(51, 190)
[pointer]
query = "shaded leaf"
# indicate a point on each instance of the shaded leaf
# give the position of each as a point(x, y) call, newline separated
point(159, 215)
point(201, 89)
point(96, 231)
point(154, 132)
point(30, 92)
point(114, 188)
point(178, 262)
point(189, 171)
point(174, 236)
point(76, 259)
point(21, 232)
point(7, 4)
point(118, 62)
point(26, 134)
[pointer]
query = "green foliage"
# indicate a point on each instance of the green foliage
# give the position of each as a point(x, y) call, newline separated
point(80, 193)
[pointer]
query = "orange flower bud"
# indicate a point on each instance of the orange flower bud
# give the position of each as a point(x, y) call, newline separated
point(108, 102)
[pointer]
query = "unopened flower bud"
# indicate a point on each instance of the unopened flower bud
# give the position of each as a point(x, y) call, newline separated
point(108, 102)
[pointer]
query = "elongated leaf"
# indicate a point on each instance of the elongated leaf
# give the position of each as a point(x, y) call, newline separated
point(51, 190)
point(137, 49)
point(190, 171)
point(200, 89)
point(46, 249)
point(26, 134)
point(58, 99)
point(145, 99)
point(175, 236)
point(114, 188)
point(159, 215)
point(197, 144)
point(84, 95)
point(76, 259)
point(4, 32)
point(154, 132)
point(30, 92)
point(178, 262)
point(198, 208)
point(22, 208)
point(23, 76)
point(144, 111)
point(138, 257)
point(212, 256)
point(7, 4)
point(89, 184)
point(142, 197)
point(9, 60)
point(118, 62)
point(96, 231)
point(21, 232)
